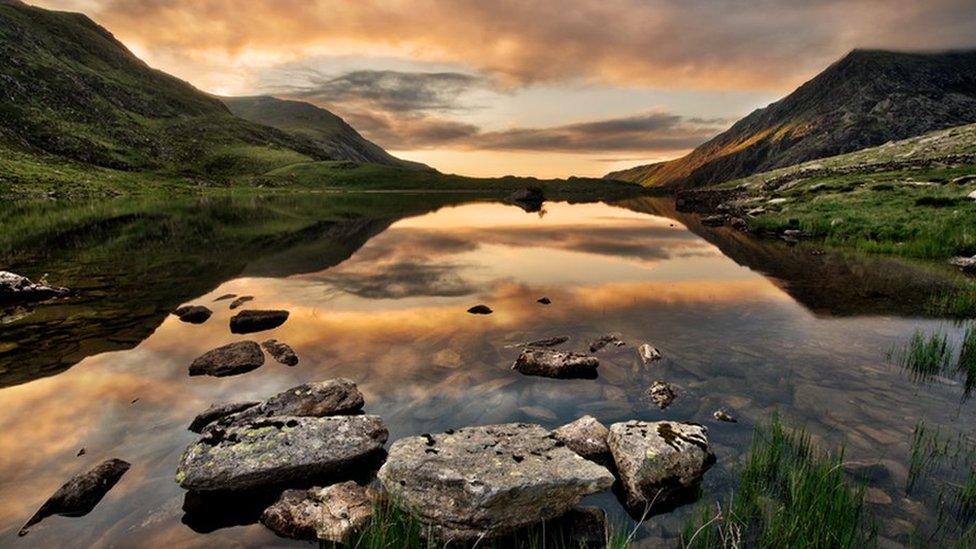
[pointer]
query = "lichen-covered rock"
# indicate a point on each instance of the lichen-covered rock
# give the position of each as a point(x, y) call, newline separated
point(81, 494)
point(662, 393)
point(327, 514)
point(193, 314)
point(325, 398)
point(229, 360)
point(215, 412)
point(556, 364)
point(657, 461)
point(18, 289)
point(281, 352)
point(250, 321)
point(488, 481)
point(279, 450)
point(587, 437)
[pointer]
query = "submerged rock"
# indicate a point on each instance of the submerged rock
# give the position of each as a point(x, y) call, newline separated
point(556, 364)
point(488, 481)
point(722, 415)
point(326, 514)
point(587, 437)
point(326, 398)
point(480, 310)
point(662, 393)
point(658, 461)
point(215, 412)
point(281, 352)
point(965, 264)
point(81, 494)
point(229, 360)
point(250, 321)
point(240, 301)
point(648, 353)
point(280, 450)
point(193, 314)
point(548, 342)
point(18, 289)
point(605, 341)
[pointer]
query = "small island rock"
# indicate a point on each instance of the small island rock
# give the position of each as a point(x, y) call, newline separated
point(250, 321)
point(229, 360)
point(556, 364)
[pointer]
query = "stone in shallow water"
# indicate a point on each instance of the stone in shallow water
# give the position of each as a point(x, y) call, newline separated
point(193, 314)
point(326, 398)
point(556, 364)
point(606, 341)
point(281, 352)
point(225, 297)
point(81, 494)
point(229, 360)
point(250, 321)
point(215, 412)
point(488, 481)
point(657, 461)
point(327, 514)
point(662, 393)
point(587, 437)
point(547, 342)
point(18, 289)
point(240, 301)
point(280, 450)
point(480, 310)
point(648, 353)
point(723, 415)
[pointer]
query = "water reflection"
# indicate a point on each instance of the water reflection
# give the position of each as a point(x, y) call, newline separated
point(386, 308)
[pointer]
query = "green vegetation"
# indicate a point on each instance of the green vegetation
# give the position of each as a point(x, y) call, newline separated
point(958, 303)
point(934, 355)
point(790, 494)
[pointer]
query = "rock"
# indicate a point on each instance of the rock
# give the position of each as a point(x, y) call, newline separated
point(18, 289)
point(326, 514)
point(530, 199)
point(722, 415)
point(193, 314)
point(240, 301)
point(657, 461)
point(648, 353)
point(482, 482)
point(81, 494)
point(971, 196)
point(281, 352)
point(607, 340)
point(81, 452)
point(713, 221)
point(215, 412)
point(280, 450)
point(792, 233)
point(868, 472)
point(965, 179)
point(538, 413)
point(739, 224)
point(662, 393)
point(225, 297)
point(544, 301)
point(756, 212)
point(587, 437)
point(965, 264)
point(556, 364)
point(334, 397)
point(480, 310)
point(229, 360)
point(548, 342)
point(250, 321)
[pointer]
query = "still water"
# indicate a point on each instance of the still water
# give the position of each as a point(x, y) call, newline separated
point(378, 294)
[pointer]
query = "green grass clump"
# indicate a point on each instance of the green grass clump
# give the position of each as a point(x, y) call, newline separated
point(942, 469)
point(924, 356)
point(959, 303)
point(790, 494)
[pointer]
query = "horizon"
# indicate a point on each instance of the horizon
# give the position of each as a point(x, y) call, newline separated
point(517, 96)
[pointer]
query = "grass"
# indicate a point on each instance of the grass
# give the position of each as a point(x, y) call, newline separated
point(790, 494)
point(927, 356)
point(957, 303)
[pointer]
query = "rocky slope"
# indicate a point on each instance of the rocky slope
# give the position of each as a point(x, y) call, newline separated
point(865, 99)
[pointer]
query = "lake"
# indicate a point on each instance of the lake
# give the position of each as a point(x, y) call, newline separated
point(378, 287)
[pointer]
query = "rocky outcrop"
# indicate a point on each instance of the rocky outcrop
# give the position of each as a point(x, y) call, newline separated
point(488, 481)
point(281, 352)
point(18, 289)
point(216, 412)
point(250, 321)
point(280, 450)
point(229, 360)
point(556, 364)
point(659, 461)
point(81, 494)
point(327, 398)
point(193, 314)
point(330, 514)
point(587, 437)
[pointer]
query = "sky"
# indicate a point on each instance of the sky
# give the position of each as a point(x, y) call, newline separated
point(549, 88)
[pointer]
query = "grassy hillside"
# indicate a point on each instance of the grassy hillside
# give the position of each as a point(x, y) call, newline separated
point(863, 100)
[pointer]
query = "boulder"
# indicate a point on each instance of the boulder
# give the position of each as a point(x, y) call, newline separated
point(229, 360)
point(587, 437)
point(326, 398)
point(240, 301)
point(250, 321)
point(556, 364)
point(480, 310)
point(483, 482)
point(215, 412)
point(606, 341)
point(280, 450)
point(965, 264)
point(193, 314)
point(81, 494)
point(281, 352)
point(658, 461)
point(330, 514)
point(18, 289)
point(662, 393)
point(648, 353)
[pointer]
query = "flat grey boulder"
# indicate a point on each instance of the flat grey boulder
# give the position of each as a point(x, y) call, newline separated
point(249, 321)
point(657, 461)
point(281, 352)
point(218, 411)
point(556, 364)
point(81, 494)
point(488, 481)
point(329, 514)
point(19, 289)
point(587, 437)
point(193, 314)
point(326, 398)
point(279, 450)
point(229, 360)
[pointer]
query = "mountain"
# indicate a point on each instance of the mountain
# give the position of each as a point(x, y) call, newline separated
point(325, 129)
point(865, 99)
